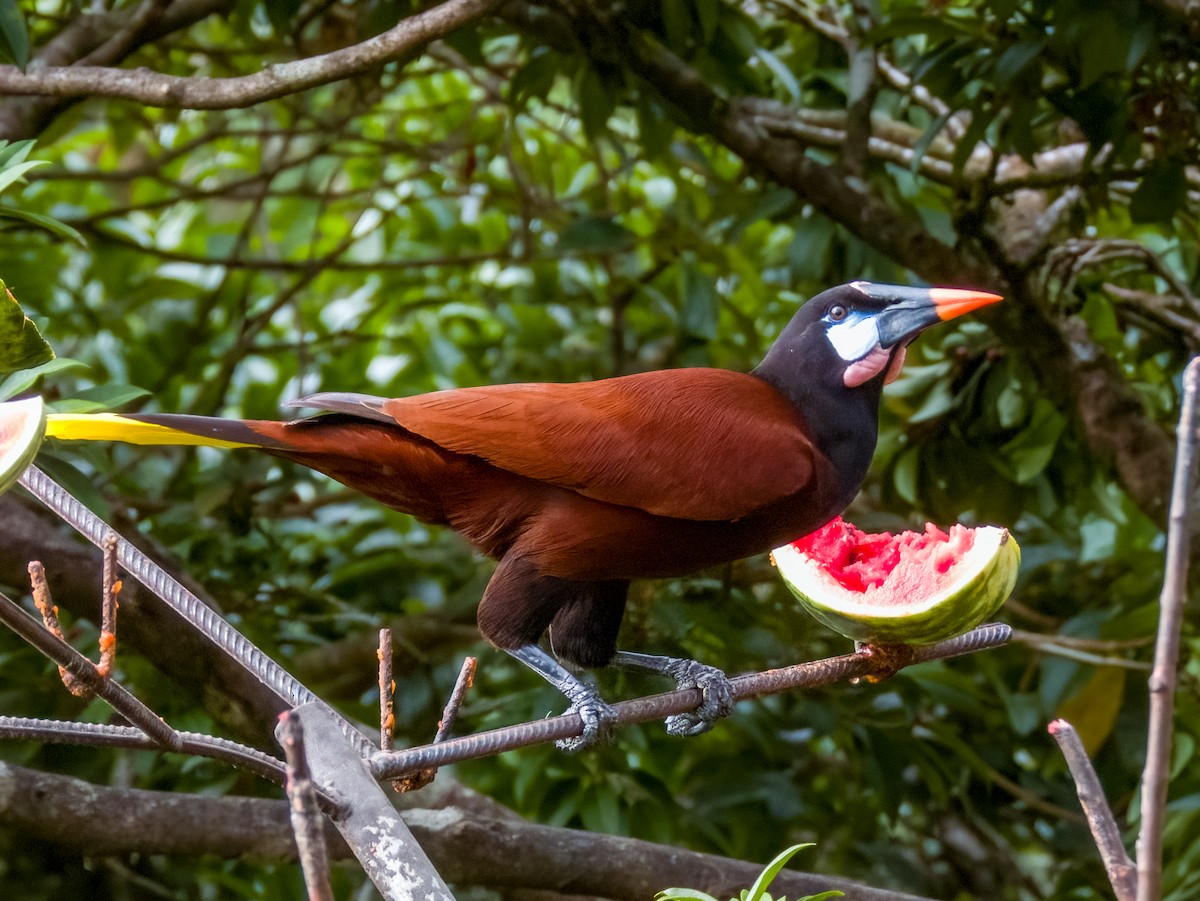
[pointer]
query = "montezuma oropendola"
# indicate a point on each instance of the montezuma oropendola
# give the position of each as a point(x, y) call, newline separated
point(578, 488)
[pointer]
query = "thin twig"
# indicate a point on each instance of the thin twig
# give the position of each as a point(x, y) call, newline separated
point(307, 822)
point(1166, 652)
point(49, 611)
point(108, 609)
point(1122, 872)
point(1072, 648)
point(466, 678)
point(658, 707)
point(387, 691)
point(84, 670)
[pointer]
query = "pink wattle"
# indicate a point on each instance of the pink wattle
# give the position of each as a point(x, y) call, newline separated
point(896, 365)
point(861, 371)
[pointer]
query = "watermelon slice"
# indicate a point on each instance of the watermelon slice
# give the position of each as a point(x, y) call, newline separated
point(22, 427)
point(911, 588)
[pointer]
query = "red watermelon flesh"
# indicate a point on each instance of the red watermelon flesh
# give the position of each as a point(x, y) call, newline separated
point(891, 569)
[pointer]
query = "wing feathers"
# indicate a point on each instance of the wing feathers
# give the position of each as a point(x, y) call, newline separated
point(703, 444)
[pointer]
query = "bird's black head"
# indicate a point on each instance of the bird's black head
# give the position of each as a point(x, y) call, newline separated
point(833, 359)
point(853, 334)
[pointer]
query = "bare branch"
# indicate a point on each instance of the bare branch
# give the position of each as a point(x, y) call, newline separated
point(1121, 870)
point(306, 819)
point(387, 691)
point(159, 90)
point(84, 671)
point(1166, 650)
point(470, 838)
point(108, 607)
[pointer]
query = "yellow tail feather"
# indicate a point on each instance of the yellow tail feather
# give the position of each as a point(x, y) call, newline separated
point(115, 427)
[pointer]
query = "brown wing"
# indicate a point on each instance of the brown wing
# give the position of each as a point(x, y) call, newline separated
point(703, 444)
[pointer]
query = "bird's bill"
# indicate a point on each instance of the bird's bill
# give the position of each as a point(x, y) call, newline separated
point(912, 310)
point(953, 302)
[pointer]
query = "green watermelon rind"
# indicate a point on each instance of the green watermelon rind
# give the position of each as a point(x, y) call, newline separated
point(987, 576)
point(22, 428)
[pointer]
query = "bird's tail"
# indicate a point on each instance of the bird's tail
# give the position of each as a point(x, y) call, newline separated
point(166, 428)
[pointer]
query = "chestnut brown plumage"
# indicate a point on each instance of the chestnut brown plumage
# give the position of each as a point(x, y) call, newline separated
point(578, 488)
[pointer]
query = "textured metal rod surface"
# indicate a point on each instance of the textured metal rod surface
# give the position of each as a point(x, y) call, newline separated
point(391, 765)
point(285, 686)
point(102, 735)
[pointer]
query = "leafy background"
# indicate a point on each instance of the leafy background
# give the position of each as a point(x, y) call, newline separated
point(512, 206)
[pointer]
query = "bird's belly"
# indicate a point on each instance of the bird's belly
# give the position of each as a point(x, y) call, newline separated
point(592, 541)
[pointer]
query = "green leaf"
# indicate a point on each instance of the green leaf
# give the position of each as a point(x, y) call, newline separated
point(47, 223)
point(922, 146)
point(11, 154)
point(905, 474)
point(14, 36)
point(708, 14)
point(1031, 451)
point(655, 126)
point(767, 876)
point(22, 381)
point(782, 73)
point(698, 295)
point(595, 233)
point(677, 22)
point(13, 173)
point(1162, 192)
point(280, 14)
point(597, 100)
point(1013, 61)
point(21, 344)
point(683, 894)
point(536, 77)
point(101, 398)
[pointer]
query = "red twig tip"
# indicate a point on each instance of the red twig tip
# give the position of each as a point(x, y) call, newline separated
point(108, 611)
point(387, 691)
point(45, 605)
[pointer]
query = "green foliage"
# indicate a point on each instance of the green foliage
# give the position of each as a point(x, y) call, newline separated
point(756, 892)
point(14, 37)
point(21, 344)
point(13, 167)
point(513, 208)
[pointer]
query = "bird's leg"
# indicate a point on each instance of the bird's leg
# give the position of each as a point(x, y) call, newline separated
point(712, 682)
point(598, 718)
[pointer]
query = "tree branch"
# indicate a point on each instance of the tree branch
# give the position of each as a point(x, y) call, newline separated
point(160, 90)
point(1163, 679)
point(471, 839)
point(92, 37)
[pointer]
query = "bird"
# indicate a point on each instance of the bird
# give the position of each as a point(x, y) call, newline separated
point(576, 489)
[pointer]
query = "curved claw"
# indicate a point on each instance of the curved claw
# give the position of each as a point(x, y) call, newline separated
point(717, 690)
point(598, 720)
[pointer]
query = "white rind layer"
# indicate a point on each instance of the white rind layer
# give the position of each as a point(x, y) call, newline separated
point(983, 580)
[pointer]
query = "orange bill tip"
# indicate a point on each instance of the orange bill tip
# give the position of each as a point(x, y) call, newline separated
point(954, 302)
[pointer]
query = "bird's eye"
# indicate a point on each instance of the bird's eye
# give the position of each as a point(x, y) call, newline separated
point(837, 313)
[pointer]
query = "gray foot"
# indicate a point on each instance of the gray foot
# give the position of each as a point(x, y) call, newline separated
point(713, 684)
point(598, 719)
point(718, 696)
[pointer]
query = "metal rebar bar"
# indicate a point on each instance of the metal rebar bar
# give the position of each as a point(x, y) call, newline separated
point(285, 686)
